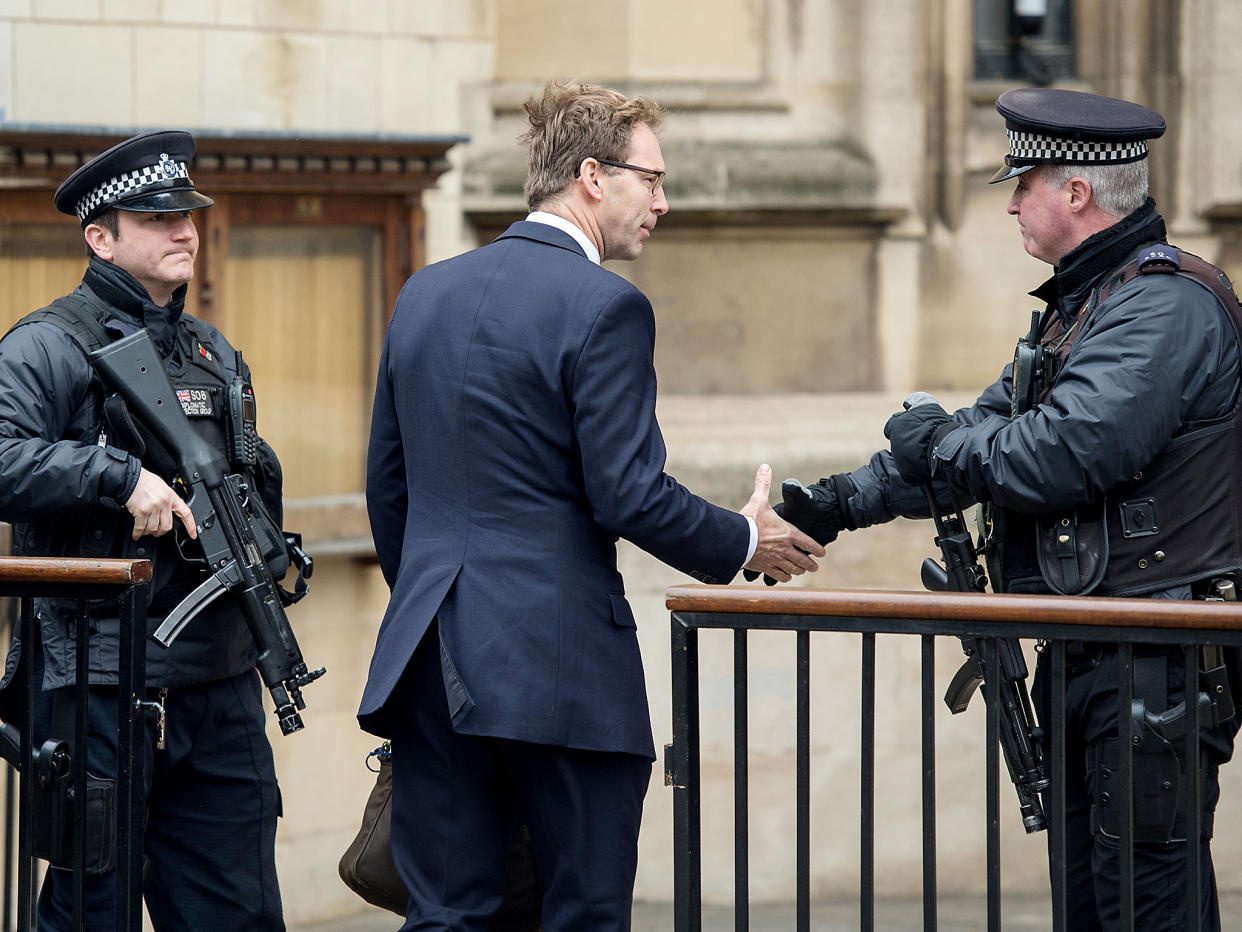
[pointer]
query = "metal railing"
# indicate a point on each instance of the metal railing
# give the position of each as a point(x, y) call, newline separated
point(1123, 622)
point(124, 581)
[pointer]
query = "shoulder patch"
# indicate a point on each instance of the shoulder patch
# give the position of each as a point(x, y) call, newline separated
point(1159, 258)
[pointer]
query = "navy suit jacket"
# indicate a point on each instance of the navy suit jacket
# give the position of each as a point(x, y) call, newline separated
point(513, 440)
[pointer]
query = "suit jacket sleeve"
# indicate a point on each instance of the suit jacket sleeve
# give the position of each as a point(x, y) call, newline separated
point(387, 493)
point(613, 395)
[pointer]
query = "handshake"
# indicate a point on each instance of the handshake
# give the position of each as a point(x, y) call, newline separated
point(798, 527)
point(808, 518)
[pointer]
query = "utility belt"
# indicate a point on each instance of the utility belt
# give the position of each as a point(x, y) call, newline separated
point(1220, 672)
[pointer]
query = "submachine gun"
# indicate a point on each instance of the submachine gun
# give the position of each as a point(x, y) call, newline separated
point(218, 500)
point(1019, 735)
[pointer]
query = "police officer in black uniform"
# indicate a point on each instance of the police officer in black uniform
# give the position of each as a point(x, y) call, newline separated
point(1111, 468)
point(78, 478)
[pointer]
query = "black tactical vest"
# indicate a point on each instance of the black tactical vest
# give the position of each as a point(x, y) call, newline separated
point(1176, 522)
point(217, 643)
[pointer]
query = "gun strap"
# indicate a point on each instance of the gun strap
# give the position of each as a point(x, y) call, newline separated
point(300, 588)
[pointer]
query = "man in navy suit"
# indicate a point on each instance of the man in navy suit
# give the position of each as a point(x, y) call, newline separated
point(513, 441)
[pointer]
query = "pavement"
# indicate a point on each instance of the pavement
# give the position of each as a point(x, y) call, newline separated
point(953, 914)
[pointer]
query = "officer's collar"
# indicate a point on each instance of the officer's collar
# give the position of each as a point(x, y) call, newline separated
point(123, 292)
point(1082, 266)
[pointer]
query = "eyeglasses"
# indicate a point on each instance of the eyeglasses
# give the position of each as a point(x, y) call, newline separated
point(656, 183)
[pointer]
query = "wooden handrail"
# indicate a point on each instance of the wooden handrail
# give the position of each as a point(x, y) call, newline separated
point(74, 571)
point(957, 606)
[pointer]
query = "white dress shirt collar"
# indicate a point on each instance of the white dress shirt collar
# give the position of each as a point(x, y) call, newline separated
point(566, 226)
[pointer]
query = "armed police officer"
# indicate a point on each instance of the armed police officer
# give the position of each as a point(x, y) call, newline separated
point(1110, 467)
point(79, 477)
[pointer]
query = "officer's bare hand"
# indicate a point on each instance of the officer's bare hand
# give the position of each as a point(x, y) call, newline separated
point(155, 505)
point(783, 551)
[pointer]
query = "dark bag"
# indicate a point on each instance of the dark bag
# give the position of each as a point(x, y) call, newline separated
point(367, 867)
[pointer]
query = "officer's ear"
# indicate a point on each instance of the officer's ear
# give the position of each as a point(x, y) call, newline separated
point(99, 239)
point(1078, 190)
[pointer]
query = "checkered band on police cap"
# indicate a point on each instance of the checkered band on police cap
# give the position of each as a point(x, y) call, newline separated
point(1025, 147)
point(129, 183)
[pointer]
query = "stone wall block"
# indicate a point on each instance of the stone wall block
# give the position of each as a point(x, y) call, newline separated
point(196, 12)
point(461, 18)
point(77, 10)
point(168, 86)
point(353, 95)
point(699, 40)
point(265, 80)
point(324, 16)
point(6, 71)
point(237, 12)
point(132, 11)
point(50, 84)
point(542, 39)
point(408, 84)
point(454, 63)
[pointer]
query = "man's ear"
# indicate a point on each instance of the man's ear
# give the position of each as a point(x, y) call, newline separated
point(1079, 191)
point(99, 239)
point(588, 177)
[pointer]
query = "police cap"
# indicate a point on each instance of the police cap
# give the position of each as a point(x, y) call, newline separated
point(1052, 126)
point(147, 173)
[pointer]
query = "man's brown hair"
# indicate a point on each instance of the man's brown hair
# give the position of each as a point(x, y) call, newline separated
point(571, 121)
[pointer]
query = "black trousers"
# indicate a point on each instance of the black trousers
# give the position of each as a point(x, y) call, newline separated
point(457, 800)
point(211, 809)
point(1092, 846)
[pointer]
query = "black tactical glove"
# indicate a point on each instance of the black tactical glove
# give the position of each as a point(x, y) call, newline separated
point(914, 434)
point(818, 511)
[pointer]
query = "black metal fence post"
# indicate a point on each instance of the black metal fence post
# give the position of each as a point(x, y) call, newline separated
point(131, 759)
point(1055, 794)
point(684, 777)
point(741, 786)
point(866, 879)
point(927, 710)
point(992, 746)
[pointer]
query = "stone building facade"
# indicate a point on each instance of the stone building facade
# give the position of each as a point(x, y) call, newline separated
point(832, 244)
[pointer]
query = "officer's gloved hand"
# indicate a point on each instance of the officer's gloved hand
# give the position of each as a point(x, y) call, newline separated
point(914, 433)
point(816, 511)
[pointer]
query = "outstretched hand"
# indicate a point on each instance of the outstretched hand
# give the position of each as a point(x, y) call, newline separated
point(783, 551)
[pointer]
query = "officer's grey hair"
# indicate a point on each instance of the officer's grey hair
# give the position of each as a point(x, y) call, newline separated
point(570, 122)
point(1119, 190)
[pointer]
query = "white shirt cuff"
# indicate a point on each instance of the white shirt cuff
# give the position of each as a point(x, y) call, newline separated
point(754, 539)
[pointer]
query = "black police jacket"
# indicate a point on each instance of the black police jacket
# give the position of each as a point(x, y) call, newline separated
point(1152, 364)
point(64, 478)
